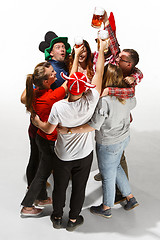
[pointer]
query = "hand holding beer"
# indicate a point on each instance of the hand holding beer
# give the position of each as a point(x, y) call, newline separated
point(78, 50)
point(98, 17)
point(103, 35)
point(103, 44)
point(105, 18)
point(78, 40)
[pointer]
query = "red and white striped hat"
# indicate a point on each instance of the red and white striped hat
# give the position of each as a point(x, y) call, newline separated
point(77, 83)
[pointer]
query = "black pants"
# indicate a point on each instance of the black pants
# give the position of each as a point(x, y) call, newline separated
point(37, 189)
point(78, 171)
point(33, 161)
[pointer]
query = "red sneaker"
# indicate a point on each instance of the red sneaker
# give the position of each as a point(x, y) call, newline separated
point(31, 212)
point(44, 203)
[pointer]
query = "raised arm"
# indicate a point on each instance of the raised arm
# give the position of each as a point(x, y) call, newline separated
point(78, 52)
point(97, 79)
point(114, 45)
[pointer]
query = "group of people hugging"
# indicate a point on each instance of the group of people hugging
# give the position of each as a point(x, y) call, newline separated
point(70, 95)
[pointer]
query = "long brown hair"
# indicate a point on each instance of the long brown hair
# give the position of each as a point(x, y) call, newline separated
point(37, 79)
point(113, 77)
point(89, 60)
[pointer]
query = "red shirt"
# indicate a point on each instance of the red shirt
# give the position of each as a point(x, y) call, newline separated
point(44, 99)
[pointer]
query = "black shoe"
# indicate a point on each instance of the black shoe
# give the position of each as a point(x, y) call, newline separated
point(100, 211)
point(119, 199)
point(57, 222)
point(71, 226)
point(131, 203)
point(98, 177)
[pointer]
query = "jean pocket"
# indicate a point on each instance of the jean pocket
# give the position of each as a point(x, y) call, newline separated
point(116, 148)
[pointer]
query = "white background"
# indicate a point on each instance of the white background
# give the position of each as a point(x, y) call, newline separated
point(23, 26)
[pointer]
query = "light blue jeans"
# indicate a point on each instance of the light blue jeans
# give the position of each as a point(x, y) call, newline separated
point(109, 157)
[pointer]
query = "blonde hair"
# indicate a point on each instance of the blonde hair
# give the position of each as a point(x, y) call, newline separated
point(113, 77)
point(37, 79)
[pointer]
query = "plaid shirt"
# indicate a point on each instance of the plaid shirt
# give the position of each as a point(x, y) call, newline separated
point(122, 92)
point(136, 74)
point(127, 92)
point(114, 46)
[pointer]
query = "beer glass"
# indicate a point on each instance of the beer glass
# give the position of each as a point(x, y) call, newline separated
point(98, 17)
point(104, 35)
point(78, 40)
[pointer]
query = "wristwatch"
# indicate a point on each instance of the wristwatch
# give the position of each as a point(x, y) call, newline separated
point(69, 131)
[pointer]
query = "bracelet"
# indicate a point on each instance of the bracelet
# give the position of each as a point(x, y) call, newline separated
point(69, 131)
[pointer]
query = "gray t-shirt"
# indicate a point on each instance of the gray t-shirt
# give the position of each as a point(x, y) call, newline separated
point(111, 120)
point(71, 114)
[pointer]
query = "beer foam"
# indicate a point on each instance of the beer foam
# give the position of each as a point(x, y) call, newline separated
point(78, 40)
point(99, 11)
point(103, 34)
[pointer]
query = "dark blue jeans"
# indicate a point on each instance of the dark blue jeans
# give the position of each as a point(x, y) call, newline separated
point(37, 189)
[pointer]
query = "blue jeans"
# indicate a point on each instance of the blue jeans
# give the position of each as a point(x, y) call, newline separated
point(109, 157)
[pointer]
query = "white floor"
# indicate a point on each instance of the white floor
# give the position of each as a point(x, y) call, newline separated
point(142, 222)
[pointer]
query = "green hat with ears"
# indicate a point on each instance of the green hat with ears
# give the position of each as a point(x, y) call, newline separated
point(56, 40)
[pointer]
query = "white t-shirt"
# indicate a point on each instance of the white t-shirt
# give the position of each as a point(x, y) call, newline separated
point(70, 147)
